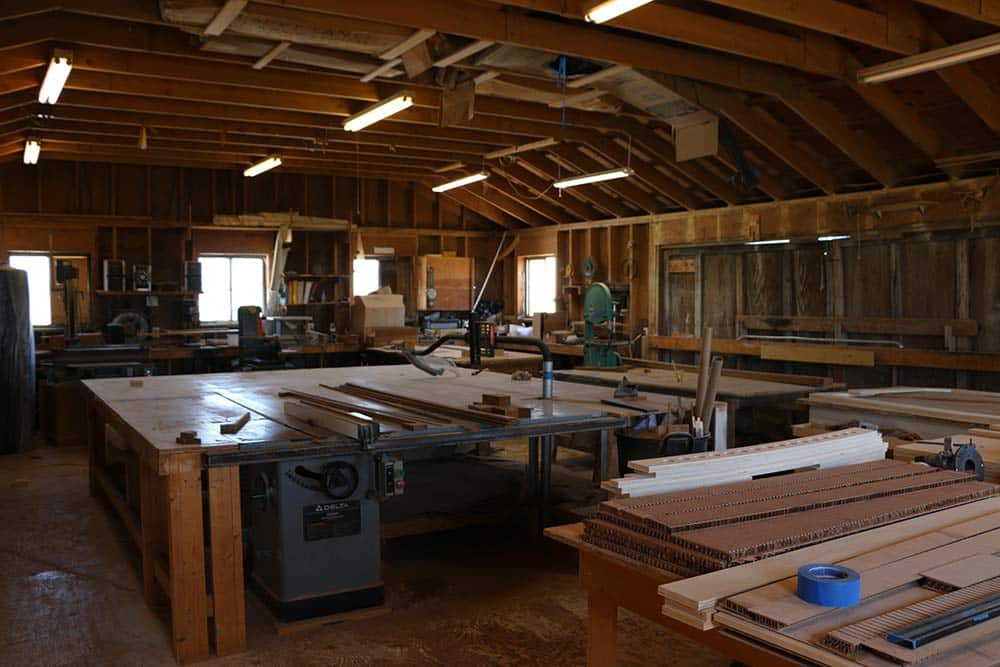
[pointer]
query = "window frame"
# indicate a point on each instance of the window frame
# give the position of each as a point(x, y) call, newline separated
point(52, 280)
point(378, 262)
point(230, 256)
point(524, 260)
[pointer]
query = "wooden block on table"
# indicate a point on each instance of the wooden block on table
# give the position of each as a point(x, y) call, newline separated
point(502, 400)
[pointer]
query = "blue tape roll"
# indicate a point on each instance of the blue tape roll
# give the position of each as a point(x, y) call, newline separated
point(829, 585)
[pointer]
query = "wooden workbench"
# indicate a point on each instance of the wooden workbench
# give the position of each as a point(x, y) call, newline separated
point(168, 355)
point(738, 389)
point(133, 424)
point(612, 582)
point(503, 360)
point(927, 412)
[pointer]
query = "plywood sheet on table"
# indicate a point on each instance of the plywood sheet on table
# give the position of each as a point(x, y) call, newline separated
point(164, 406)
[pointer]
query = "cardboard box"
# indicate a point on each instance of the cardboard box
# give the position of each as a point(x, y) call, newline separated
point(377, 310)
point(695, 135)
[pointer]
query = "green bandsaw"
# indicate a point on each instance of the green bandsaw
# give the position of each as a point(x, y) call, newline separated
point(599, 309)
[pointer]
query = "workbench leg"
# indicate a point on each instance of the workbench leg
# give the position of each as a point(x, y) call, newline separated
point(186, 545)
point(225, 537)
point(152, 521)
point(533, 469)
point(547, 444)
point(602, 630)
point(95, 447)
point(601, 460)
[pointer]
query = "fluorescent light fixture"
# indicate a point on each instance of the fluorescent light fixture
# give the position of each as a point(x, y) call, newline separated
point(596, 177)
point(459, 182)
point(379, 111)
point(834, 237)
point(610, 9)
point(954, 54)
point(32, 149)
point(769, 242)
point(260, 167)
point(55, 76)
point(523, 148)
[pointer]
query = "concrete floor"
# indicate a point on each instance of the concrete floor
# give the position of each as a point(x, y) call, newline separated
point(70, 594)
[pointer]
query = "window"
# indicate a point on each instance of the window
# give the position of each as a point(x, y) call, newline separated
point(39, 269)
point(228, 282)
point(366, 278)
point(539, 285)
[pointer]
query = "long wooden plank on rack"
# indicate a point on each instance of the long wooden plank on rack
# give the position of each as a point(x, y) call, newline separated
point(703, 592)
point(406, 402)
point(898, 403)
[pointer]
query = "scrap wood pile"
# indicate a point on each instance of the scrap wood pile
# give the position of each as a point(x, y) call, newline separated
point(354, 405)
point(930, 594)
point(702, 530)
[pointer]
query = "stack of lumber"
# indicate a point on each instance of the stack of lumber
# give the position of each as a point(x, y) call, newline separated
point(987, 441)
point(676, 473)
point(911, 571)
point(712, 528)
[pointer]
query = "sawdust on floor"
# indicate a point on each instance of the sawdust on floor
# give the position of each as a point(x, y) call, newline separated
point(71, 594)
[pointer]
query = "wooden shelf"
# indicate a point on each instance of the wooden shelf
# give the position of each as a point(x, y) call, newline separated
point(142, 293)
point(314, 303)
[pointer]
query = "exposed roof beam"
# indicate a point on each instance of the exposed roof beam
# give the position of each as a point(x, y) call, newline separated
point(508, 204)
point(417, 38)
point(548, 170)
point(163, 110)
point(463, 53)
point(736, 109)
point(247, 153)
point(381, 69)
point(266, 59)
point(860, 149)
point(630, 191)
point(976, 92)
point(808, 51)
point(834, 18)
point(484, 208)
point(227, 13)
point(646, 172)
point(494, 23)
point(987, 11)
point(541, 205)
point(307, 148)
point(543, 188)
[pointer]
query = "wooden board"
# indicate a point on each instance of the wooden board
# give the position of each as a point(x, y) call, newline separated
point(975, 408)
point(817, 354)
point(166, 405)
point(703, 592)
point(684, 382)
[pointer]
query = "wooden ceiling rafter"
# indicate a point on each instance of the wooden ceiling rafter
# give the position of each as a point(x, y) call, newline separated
point(100, 57)
point(540, 204)
point(515, 172)
point(783, 56)
point(533, 31)
point(485, 208)
point(91, 120)
point(627, 190)
point(545, 167)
